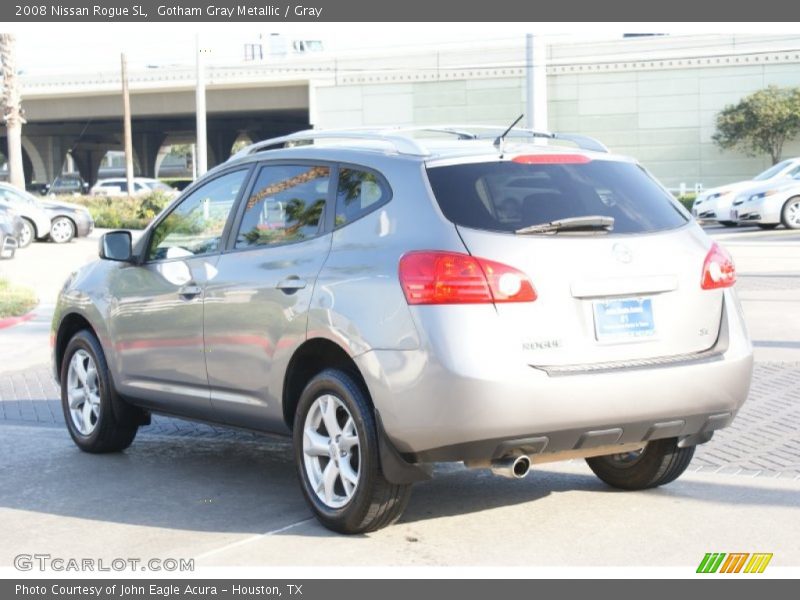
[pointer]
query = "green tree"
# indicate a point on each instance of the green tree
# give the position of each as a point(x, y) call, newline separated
point(760, 123)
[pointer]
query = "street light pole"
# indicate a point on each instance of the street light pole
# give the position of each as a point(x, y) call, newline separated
point(126, 118)
point(200, 105)
point(535, 83)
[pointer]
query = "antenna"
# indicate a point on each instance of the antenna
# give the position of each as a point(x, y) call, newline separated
point(498, 142)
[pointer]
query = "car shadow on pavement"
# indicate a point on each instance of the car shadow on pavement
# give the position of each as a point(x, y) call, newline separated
point(220, 485)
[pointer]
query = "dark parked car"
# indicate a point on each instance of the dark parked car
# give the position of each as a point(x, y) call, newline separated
point(69, 183)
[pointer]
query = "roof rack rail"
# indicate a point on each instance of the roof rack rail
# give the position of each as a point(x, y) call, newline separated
point(403, 143)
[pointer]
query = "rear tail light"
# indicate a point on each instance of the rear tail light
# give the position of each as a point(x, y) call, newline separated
point(431, 277)
point(718, 269)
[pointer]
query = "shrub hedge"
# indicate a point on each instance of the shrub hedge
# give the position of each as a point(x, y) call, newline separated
point(122, 212)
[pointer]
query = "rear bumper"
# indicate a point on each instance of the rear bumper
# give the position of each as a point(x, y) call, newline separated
point(84, 227)
point(433, 410)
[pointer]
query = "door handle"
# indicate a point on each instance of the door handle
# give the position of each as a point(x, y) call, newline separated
point(291, 284)
point(190, 291)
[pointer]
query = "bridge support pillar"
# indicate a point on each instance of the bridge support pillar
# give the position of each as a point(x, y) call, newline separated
point(88, 157)
point(220, 142)
point(145, 147)
point(47, 153)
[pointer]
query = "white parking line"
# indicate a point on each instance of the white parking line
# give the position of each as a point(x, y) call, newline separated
point(252, 538)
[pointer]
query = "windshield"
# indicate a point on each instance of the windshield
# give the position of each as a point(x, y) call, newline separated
point(772, 171)
point(509, 196)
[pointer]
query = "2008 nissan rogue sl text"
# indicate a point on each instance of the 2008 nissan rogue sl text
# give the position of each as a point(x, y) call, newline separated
point(399, 297)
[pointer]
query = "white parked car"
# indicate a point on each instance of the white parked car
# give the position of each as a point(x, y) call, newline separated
point(716, 204)
point(118, 186)
point(769, 205)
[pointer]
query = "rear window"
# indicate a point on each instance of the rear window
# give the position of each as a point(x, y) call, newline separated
point(507, 196)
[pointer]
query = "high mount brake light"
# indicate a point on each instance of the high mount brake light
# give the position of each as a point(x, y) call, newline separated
point(433, 277)
point(551, 159)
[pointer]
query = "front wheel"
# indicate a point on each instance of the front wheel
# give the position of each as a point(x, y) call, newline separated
point(658, 463)
point(98, 421)
point(62, 230)
point(790, 216)
point(336, 451)
point(27, 234)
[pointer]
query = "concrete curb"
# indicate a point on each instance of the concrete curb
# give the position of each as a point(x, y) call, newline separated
point(11, 321)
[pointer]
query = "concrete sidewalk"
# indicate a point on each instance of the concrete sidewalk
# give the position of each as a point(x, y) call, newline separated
point(239, 504)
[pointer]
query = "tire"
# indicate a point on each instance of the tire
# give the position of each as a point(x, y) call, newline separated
point(108, 424)
point(767, 226)
point(729, 223)
point(371, 502)
point(790, 215)
point(62, 230)
point(659, 463)
point(28, 234)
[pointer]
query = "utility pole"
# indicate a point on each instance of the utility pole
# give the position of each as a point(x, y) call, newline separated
point(200, 105)
point(535, 83)
point(126, 112)
point(13, 115)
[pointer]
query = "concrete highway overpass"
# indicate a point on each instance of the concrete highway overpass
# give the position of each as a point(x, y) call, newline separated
point(655, 98)
point(82, 115)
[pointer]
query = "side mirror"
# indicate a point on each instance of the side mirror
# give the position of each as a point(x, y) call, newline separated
point(116, 245)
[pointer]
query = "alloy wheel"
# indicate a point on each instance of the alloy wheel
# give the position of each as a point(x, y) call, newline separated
point(83, 392)
point(62, 230)
point(331, 451)
point(793, 214)
point(26, 235)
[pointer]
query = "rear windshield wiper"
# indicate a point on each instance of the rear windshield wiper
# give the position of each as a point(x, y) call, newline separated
point(574, 224)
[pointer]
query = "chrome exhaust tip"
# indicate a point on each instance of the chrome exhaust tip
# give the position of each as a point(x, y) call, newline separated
point(513, 467)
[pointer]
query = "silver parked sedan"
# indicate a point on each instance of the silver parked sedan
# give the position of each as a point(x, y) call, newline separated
point(36, 221)
point(393, 301)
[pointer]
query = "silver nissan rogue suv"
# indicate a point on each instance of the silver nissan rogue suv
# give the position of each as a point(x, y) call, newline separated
point(393, 298)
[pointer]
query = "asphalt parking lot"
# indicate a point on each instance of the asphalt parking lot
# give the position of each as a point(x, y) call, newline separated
point(231, 498)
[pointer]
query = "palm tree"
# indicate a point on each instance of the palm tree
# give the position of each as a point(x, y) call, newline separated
point(12, 109)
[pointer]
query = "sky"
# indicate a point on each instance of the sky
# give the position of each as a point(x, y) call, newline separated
point(63, 48)
point(82, 48)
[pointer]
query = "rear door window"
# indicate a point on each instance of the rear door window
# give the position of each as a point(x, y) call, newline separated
point(285, 205)
point(506, 196)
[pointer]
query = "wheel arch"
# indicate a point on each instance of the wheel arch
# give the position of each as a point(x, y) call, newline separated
point(784, 206)
point(311, 358)
point(70, 324)
point(32, 223)
point(314, 356)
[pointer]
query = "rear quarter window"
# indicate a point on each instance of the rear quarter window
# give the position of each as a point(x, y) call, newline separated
point(506, 196)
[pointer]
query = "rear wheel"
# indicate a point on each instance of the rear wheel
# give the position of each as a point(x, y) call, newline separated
point(658, 463)
point(62, 230)
point(27, 234)
point(97, 420)
point(336, 451)
point(790, 216)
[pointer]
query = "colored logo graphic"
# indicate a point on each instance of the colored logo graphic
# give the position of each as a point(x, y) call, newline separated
point(735, 562)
